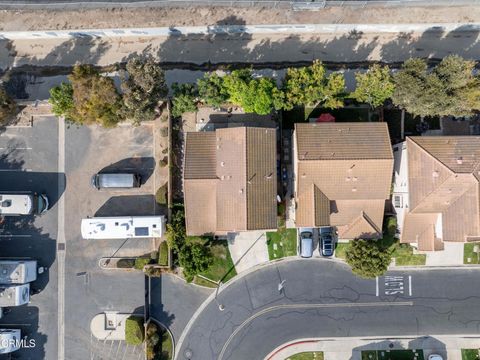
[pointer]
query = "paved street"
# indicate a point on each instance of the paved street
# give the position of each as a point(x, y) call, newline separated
point(28, 162)
point(274, 305)
point(173, 302)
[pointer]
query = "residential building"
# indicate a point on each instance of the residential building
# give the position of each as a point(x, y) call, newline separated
point(443, 191)
point(343, 177)
point(230, 180)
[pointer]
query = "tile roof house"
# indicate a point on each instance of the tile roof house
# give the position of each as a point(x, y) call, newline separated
point(343, 176)
point(443, 187)
point(230, 180)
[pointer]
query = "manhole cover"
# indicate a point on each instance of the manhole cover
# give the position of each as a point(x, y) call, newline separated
point(188, 354)
point(61, 246)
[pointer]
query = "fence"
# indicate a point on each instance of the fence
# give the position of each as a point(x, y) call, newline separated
point(286, 4)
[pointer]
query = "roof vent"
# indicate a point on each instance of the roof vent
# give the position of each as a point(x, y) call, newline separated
point(348, 178)
point(355, 178)
point(269, 176)
point(333, 154)
point(218, 147)
point(222, 177)
point(304, 175)
point(460, 160)
point(354, 189)
point(241, 191)
point(435, 174)
point(222, 163)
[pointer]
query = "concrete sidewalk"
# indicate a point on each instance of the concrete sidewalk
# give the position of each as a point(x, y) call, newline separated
point(449, 347)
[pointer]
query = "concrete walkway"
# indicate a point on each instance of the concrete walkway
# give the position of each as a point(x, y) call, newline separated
point(449, 347)
point(248, 249)
point(452, 255)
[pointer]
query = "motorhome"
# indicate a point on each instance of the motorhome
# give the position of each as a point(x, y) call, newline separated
point(14, 295)
point(9, 340)
point(23, 204)
point(123, 227)
point(17, 271)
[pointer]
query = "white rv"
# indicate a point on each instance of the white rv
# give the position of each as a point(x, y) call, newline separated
point(17, 271)
point(123, 227)
point(14, 295)
point(23, 204)
point(9, 340)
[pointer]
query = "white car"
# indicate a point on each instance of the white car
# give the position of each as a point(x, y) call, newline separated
point(435, 357)
point(305, 242)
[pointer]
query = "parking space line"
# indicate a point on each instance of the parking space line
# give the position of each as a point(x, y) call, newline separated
point(17, 148)
point(376, 289)
point(410, 285)
point(24, 236)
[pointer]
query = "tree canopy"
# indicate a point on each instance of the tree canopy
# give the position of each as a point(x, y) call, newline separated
point(7, 107)
point(450, 88)
point(211, 89)
point(367, 258)
point(259, 96)
point(184, 98)
point(374, 86)
point(95, 98)
point(311, 86)
point(143, 85)
point(61, 98)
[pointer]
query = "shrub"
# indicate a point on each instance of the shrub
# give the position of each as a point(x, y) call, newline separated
point(165, 151)
point(161, 195)
point(391, 225)
point(125, 263)
point(134, 330)
point(163, 254)
point(184, 99)
point(153, 271)
point(367, 258)
point(164, 131)
point(152, 340)
point(61, 98)
point(7, 107)
point(140, 262)
point(163, 162)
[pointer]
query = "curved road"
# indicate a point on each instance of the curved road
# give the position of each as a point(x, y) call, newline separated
point(322, 298)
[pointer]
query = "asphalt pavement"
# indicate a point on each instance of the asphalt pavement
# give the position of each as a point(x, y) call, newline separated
point(299, 299)
point(28, 163)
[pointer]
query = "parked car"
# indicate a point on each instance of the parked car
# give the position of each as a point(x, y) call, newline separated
point(434, 357)
point(113, 181)
point(326, 241)
point(305, 242)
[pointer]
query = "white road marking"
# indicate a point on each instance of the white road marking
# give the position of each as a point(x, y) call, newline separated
point(394, 285)
point(376, 288)
point(410, 285)
point(25, 236)
point(61, 240)
point(17, 148)
point(306, 306)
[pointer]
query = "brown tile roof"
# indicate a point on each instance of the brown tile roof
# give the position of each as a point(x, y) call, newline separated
point(420, 228)
point(347, 141)
point(239, 180)
point(351, 164)
point(443, 180)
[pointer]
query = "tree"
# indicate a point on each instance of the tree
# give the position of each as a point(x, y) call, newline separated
point(311, 86)
point(7, 107)
point(259, 96)
point(367, 258)
point(211, 89)
point(143, 85)
point(61, 98)
point(95, 98)
point(194, 257)
point(184, 99)
point(374, 86)
point(450, 88)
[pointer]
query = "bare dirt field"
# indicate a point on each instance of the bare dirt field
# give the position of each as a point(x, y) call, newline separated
point(24, 20)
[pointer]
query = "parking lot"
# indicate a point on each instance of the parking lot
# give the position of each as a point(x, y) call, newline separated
point(28, 163)
point(30, 159)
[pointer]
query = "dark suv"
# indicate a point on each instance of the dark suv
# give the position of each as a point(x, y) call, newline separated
point(326, 241)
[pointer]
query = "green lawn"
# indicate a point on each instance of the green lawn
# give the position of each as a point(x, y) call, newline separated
point(317, 355)
point(470, 354)
point(392, 355)
point(403, 253)
point(341, 250)
point(167, 347)
point(404, 256)
point(282, 243)
point(222, 262)
point(468, 253)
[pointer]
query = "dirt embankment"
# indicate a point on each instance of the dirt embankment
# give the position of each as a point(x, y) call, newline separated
point(24, 20)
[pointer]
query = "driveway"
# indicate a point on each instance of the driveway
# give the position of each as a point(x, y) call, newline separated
point(90, 290)
point(301, 299)
point(248, 249)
